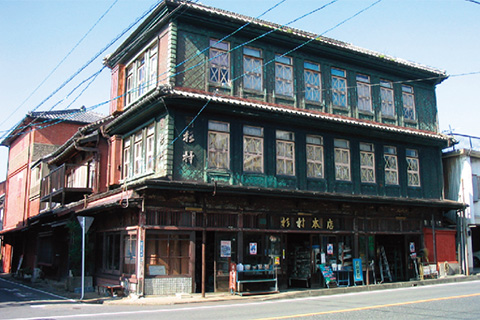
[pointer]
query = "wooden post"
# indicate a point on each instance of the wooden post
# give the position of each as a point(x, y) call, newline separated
point(204, 241)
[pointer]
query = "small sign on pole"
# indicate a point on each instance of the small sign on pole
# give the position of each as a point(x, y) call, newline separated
point(85, 223)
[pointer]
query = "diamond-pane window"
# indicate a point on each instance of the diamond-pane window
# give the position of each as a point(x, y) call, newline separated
point(283, 76)
point(367, 163)
point(364, 93)
point(391, 165)
point(253, 69)
point(313, 82)
point(413, 168)
point(339, 88)
point(219, 62)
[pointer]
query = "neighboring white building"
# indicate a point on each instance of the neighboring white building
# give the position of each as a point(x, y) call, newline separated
point(461, 167)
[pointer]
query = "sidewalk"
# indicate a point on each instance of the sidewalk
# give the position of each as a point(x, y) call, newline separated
point(58, 289)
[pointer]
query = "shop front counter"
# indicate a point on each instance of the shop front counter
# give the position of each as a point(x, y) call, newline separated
point(256, 281)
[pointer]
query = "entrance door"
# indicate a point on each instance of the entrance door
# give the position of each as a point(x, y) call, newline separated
point(395, 250)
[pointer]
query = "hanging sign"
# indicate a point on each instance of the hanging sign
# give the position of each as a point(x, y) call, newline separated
point(357, 270)
point(412, 247)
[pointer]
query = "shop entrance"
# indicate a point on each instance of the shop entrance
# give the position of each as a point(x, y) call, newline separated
point(392, 250)
point(299, 267)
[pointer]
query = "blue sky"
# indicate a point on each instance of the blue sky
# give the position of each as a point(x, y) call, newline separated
point(35, 35)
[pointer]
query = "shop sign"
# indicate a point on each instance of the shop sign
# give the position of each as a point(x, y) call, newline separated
point(330, 224)
point(253, 248)
point(277, 260)
point(285, 222)
point(300, 223)
point(357, 270)
point(412, 247)
point(316, 223)
point(225, 248)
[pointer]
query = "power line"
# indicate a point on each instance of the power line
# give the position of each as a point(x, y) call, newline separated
point(473, 1)
point(61, 62)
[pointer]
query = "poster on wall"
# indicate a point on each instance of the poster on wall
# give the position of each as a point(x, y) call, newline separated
point(357, 270)
point(225, 248)
point(253, 248)
point(330, 248)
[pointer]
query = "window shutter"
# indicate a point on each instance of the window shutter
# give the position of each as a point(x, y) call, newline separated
point(475, 182)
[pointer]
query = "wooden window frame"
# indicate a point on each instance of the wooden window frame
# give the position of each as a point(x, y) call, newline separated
point(339, 88)
point(284, 83)
point(342, 152)
point(219, 73)
point(252, 68)
point(364, 93)
point(315, 144)
point(367, 150)
point(285, 140)
point(213, 151)
point(248, 136)
point(313, 92)
point(391, 165)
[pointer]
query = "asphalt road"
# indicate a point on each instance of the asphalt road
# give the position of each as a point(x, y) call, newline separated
point(443, 301)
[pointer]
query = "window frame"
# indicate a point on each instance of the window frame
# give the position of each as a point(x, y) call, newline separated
point(283, 84)
point(364, 86)
point(166, 257)
point(217, 53)
point(413, 157)
point(218, 132)
point(368, 150)
point(387, 91)
point(315, 143)
point(339, 76)
point(253, 73)
point(285, 140)
point(408, 95)
point(126, 157)
point(342, 149)
point(312, 70)
point(251, 135)
point(390, 153)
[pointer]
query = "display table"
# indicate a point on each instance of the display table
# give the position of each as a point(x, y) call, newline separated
point(266, 276)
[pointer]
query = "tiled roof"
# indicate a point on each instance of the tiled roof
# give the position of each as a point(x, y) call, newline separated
point(191, 93)
point(73, 115)
point(308, 35)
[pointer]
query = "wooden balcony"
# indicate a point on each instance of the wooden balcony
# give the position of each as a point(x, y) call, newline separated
point(66, 184)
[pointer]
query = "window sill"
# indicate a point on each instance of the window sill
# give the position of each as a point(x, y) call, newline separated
point(366, 113)
point(394, 118)
point(140, 176)
point(410, 121)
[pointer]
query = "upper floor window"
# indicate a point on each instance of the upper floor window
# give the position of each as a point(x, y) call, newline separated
point(339, 87)
point(138, 153)
point(408, 103)
point(313, 82)
point(126, 157)
point(342, 160)
point(367, 162)
point(283, 75)
point(218, 145)
point(141, 74)
point(219, 63)
point(386, 95)
point(150, 146)
point(413, 168)
point(252, 149)
point(314, 156)
point(285, 153)
point(253, 69)
point(391, 165)
point(364, 93)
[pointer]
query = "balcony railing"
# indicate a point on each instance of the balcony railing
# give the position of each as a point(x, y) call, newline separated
point(67, 183)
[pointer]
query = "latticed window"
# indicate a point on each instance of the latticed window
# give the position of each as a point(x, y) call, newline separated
point(218, 145)
point(413, 168)
point(386, 95)
point(167, 254)
point(141, 79)
point(253, 69)
point(153, 70)
point(342, 160)
point(150, 147)
point(408, 103)
point(252, 149)
point(129, 86)
point(367, 162)
point(391, 165)
point(364, 93)
point(219, 62)
point(285, 153)
point(339, 87)
point(283, 76)
point(313, 82)
point(314, 156)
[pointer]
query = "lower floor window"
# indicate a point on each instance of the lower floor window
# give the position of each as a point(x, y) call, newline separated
point(167, 254)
